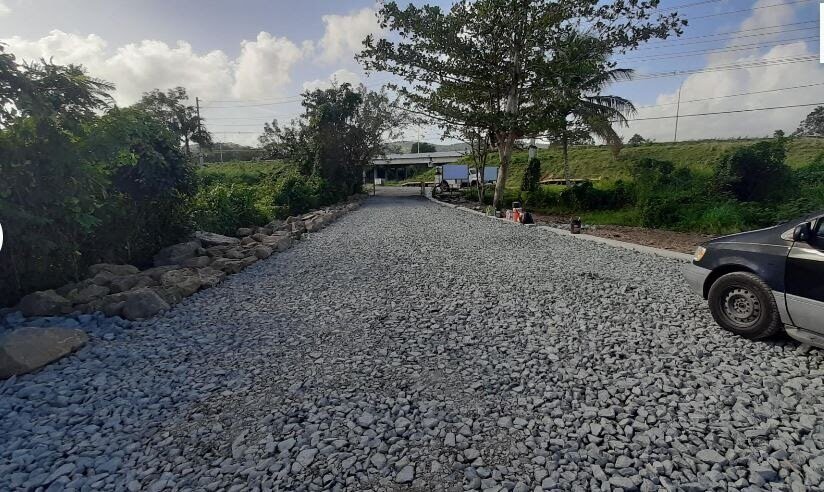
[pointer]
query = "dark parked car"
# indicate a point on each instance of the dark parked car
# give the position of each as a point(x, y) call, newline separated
point(758, 281)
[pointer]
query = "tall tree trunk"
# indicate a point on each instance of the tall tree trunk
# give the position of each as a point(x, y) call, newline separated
point(565, 145)
point(505, 153)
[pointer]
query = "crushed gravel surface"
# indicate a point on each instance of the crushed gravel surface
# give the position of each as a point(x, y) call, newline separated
point(410, 346)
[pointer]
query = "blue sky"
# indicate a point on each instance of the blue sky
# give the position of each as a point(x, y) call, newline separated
point(260, 52)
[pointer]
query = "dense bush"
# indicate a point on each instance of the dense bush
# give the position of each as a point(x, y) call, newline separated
point(756, 172)
point(111, 188)
point(150, 181)
point(223, 208)
point(532, 175)
point(294, 193)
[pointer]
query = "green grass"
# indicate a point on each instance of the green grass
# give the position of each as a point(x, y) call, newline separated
point(700, 156)
point(243, 172)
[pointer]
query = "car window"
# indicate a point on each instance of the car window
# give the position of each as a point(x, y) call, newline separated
point(820, 228)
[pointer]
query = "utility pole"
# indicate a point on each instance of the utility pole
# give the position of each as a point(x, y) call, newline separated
point(199, 131)
point(677, 112)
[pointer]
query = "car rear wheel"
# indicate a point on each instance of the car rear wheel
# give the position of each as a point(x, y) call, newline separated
point(742, 303)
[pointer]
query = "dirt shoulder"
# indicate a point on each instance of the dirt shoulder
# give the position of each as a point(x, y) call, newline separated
point(683, 242)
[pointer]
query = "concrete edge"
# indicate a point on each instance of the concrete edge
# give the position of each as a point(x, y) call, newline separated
point(585, 237)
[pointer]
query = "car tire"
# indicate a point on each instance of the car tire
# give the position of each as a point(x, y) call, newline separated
point(742, 303)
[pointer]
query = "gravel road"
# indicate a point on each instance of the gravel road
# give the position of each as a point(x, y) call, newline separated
point(414, 347)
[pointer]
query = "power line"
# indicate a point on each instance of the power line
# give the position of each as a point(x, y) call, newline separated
point(676, 40)
point(765, 62)
point(728, 49)
point(688, 5)
point(681, 43)
point(733, 95)
point(749, 9)
point(726, 112)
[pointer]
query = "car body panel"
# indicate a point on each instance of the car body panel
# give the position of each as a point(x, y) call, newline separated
point(762, 252)
point(793, 270)
point(696, 277)
point(805, 281)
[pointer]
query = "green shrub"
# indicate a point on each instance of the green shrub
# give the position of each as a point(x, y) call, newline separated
point(150, 184)
point(223, 208)
point(532, 175)
point(294, 194)
point(756, 172)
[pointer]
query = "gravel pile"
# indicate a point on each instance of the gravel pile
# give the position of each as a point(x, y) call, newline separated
point(411, 346)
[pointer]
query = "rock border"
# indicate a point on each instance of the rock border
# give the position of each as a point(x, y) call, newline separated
point(178, 271)
point(586, 237)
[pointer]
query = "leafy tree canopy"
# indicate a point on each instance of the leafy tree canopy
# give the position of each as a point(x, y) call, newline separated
point(340, 131)
point(65, 94)
point(172, 108)
point(491, 63)
point(813, 124)
point(421, 147)
point(636, 140)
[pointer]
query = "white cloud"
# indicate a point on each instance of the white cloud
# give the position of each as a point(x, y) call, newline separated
point(344, 34)
point(340, 76)
point(724, 83)
point(4, 9)
point(263, 68)
point(265, 64)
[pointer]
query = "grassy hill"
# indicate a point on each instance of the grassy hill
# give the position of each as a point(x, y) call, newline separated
point(243, 172)
point(597, 161)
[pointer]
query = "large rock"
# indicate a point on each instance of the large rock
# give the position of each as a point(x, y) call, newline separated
point(217, 251)
point(212, 239)
point(262, 251)
point(130, 282)
point(186, 281)
point(87, 294)
point(279, 242)
point(245, 231)
point(26, 349)
point(113, 269)
point(102, 278)
point(44, 303)
point(234, 254)
point(156, 272)
point(170, 294)
point(210, 277)
point(197, 262)
point(298, 227)
point(227, 265)
point(176, 253)
point(143, 303)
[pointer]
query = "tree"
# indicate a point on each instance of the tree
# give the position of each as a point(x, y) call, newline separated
point(636, 140)
point(63, 95)
point(813, 124)
point(756, 172)
point(339, 133)
point(481, 144)
point(580, 108)
point(421, 147)
point(490, 63)
point(532, 175)
point(181, 118)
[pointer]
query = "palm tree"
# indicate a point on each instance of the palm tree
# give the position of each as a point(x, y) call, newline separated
point(581, 110)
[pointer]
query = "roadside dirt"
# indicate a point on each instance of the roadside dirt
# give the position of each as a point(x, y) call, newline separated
point(683, 242)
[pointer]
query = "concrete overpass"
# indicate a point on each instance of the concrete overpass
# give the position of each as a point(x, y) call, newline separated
point(424, 158)
point(399, 166)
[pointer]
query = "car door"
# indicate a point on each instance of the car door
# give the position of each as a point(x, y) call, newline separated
point(805, 281)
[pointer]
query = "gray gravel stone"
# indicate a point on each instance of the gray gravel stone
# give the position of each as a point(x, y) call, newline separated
point(602, 366)
point(406, 475)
